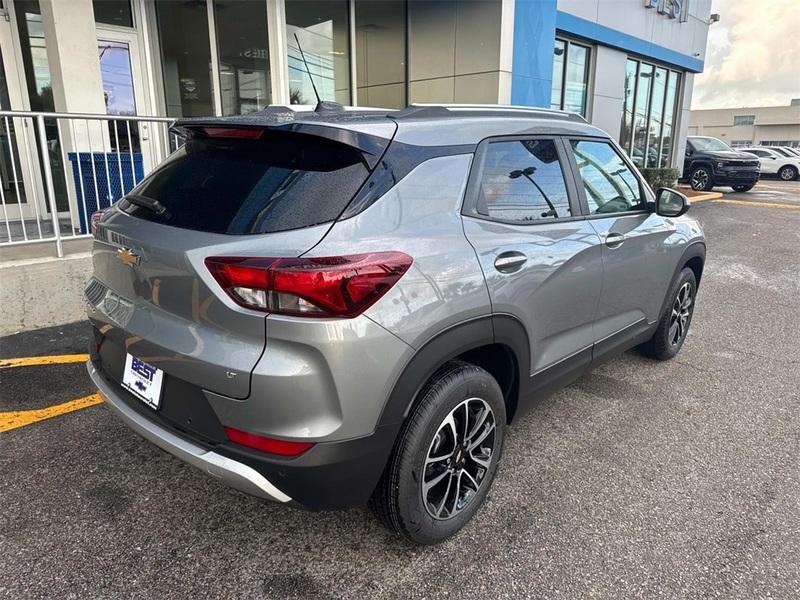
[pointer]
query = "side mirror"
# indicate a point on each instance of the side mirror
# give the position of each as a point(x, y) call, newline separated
point(671, 203)
point(689, 152)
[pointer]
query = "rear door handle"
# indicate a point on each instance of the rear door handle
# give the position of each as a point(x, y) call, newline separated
point(510, 262)
point(615, 240)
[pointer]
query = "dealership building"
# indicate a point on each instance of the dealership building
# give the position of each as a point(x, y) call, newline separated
point(626, 65)
point(750, 126)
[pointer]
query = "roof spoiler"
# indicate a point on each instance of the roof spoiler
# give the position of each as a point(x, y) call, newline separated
point(372, 146)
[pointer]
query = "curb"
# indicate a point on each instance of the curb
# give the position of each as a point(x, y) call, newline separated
point(703, 197)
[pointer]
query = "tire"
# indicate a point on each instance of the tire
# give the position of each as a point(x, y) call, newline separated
point(677, 318)
point(788, 173)
point(421, 451)
point(742, 188)
point(701, 179)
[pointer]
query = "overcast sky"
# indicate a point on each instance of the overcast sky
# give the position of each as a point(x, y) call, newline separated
point(753, 56)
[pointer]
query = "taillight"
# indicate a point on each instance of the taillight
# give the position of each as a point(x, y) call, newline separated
point(265, 444)
point(332, 286)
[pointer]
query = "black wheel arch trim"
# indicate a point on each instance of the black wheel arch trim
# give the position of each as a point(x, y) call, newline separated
point(696, 249)
point(500, 329)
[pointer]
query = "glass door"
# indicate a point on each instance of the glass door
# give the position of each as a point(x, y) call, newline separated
point(123, 91)
point(22, 203)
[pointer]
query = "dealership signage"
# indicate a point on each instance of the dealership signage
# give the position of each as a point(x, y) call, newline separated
point(671, 8)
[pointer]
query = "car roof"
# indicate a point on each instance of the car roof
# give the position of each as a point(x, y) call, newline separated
point(419, 124)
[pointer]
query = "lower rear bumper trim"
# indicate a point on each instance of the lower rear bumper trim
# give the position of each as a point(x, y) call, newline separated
point(233, 473)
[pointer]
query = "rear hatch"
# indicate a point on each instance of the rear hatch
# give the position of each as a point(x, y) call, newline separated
point(229, 191)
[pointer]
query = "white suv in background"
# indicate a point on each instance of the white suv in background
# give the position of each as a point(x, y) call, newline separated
point(785, 151)
point(775, 163)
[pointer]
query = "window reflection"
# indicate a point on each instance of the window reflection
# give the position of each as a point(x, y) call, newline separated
point(522, 181)
point(115, 71)
point(609, 184)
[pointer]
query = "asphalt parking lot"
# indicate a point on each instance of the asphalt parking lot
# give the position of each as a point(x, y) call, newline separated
point(641, 480)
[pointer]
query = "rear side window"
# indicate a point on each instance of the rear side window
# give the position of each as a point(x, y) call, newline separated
point(278, 182)
point(610, 186)
point(522, 182)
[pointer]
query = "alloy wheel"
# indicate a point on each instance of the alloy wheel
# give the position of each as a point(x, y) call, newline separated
point(681, 311)
point(700, 179)
point(787, 173)
point(458, 458)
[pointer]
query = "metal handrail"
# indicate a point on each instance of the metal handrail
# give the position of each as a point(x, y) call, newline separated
point(91, 116)
point(40, 175)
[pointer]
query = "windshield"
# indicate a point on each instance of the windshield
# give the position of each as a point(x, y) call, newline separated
point(707, 144)
point(277, 182)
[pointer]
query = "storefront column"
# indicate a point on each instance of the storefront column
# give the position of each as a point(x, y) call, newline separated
point(72, 56)
point(608, 94)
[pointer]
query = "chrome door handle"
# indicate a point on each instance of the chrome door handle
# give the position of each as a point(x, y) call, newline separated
point(615, 240)
point(510, 262)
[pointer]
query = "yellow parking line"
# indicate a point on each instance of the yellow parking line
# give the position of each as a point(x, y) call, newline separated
point(21, 418)
point(32, 361)
point(756, 203)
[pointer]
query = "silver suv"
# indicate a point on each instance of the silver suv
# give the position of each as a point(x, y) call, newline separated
point(334, 307)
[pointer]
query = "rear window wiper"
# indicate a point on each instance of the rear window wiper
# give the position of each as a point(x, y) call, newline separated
point(150, 204)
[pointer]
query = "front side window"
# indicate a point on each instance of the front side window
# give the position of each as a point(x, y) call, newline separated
point(522, 181)
point(611, 187)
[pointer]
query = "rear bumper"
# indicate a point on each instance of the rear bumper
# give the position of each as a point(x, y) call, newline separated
point(329, 476)
point(233, 473)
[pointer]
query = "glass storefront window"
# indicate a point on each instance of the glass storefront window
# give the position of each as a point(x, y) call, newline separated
point(34, 55)
point(626, 130)
point(651, 95)
point(656, 118)
point(243, 46)
point(323, 30)
point(570, 77)
point(641, 113)
point(558, 74)
point(185, 57)
point(669, 118)
point(380, 34)
point(113, 12)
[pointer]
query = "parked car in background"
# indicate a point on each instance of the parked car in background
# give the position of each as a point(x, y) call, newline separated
point(710, 162)
point(784, 150)
point(329, 308)
point(775, 163)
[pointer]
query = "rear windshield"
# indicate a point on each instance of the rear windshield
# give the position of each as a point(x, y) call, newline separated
point(277, 182)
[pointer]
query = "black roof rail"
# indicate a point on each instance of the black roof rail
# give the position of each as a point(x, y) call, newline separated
point(432, 111)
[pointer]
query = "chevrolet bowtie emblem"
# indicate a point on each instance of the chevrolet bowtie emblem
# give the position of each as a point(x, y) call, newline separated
point(128, 257)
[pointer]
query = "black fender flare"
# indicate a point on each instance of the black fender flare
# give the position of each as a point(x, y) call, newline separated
point(492, 329)
point(696, 249)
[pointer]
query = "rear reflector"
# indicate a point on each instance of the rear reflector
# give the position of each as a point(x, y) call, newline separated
point(265, 444)
point(333, 286)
